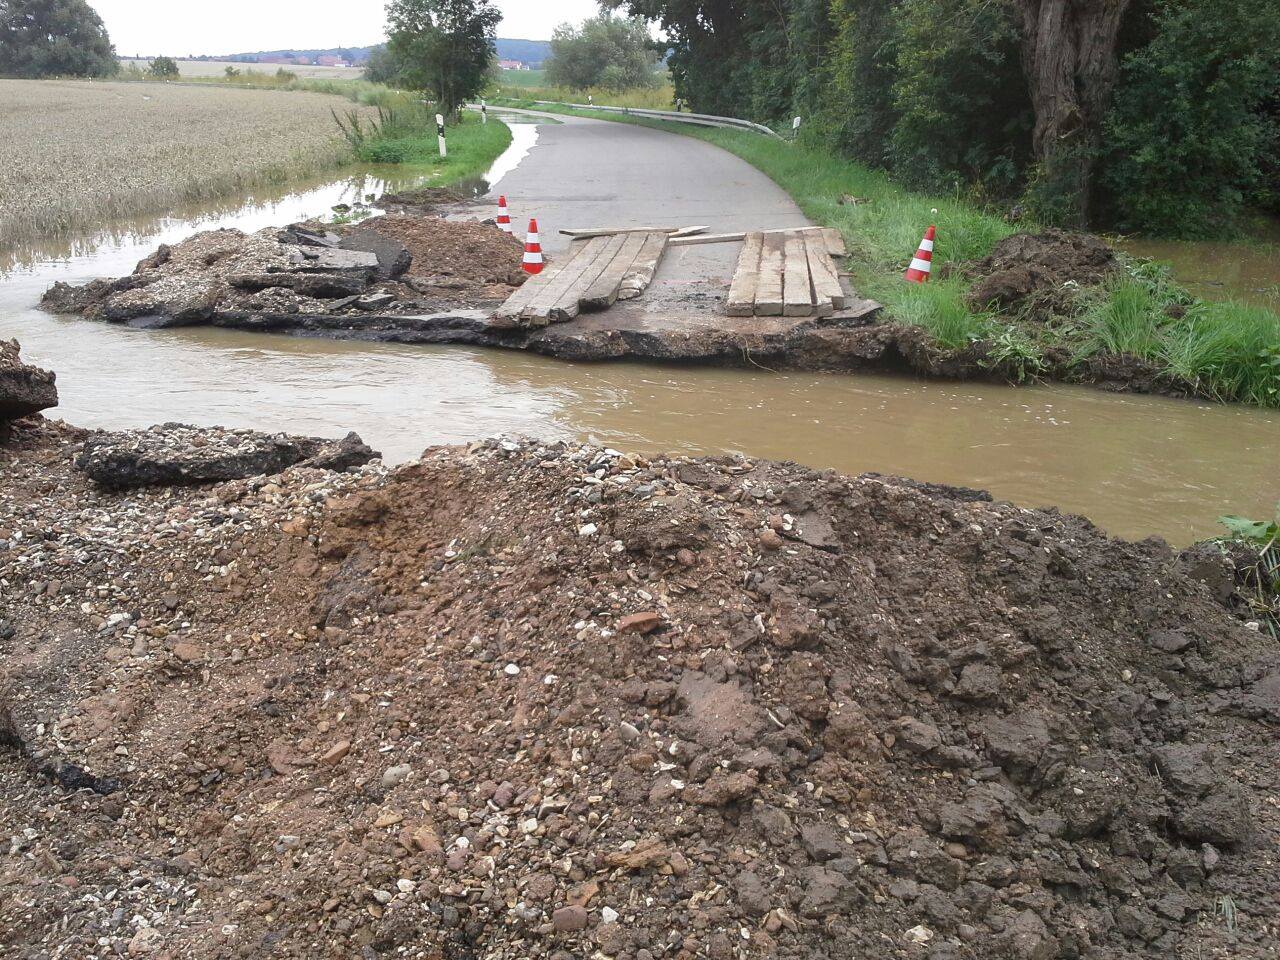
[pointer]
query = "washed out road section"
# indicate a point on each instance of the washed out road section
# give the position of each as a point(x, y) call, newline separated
point(1136, 465)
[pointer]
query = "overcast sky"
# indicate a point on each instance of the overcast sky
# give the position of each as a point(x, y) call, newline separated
point(181, 27)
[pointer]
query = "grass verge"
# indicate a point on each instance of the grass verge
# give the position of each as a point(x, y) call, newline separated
point(408, 136)
point(1220, 350)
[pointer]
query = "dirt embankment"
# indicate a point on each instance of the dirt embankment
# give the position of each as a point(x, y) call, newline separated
point(531, 701)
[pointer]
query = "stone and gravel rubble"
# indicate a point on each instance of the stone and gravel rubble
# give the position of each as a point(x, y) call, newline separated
point(525, 700)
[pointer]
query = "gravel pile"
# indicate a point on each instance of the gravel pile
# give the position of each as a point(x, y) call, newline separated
point(523, 701)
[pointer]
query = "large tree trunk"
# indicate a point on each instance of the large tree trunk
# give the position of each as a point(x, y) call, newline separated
point(1071, 62)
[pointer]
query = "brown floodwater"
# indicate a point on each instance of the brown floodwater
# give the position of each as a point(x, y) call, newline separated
point(1247, 272)
point(1135, 465)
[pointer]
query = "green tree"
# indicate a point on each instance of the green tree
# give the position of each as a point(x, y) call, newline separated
point(381, 67)
point(1190, 135)
point(166, 68)
point(443, 46)
point(44, 38)
point(606, 51)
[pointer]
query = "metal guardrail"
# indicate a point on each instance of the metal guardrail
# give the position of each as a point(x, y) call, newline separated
point(699, 119)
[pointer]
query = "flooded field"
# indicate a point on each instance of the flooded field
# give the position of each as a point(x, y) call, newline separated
point(1136, 465)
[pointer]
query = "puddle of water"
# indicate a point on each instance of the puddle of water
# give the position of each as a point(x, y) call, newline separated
point(523, 139)
point(1247, 272)
point(1136, 465)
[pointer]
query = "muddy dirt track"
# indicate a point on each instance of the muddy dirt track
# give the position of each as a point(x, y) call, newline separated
point(521, 700)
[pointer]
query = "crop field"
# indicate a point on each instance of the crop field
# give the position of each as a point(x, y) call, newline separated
point(218, 68)
point(123, 149)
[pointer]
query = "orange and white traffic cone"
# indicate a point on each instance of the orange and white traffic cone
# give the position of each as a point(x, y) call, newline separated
point(504, 216)
point(922, 263)
point(533, 250)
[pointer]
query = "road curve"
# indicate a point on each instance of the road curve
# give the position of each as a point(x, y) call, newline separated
point(588, 173)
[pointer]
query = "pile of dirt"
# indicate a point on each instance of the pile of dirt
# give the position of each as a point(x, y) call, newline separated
point(1041, 266)
point(545, 701)
point(449, 253)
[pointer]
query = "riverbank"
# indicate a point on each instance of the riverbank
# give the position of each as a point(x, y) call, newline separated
point(665, 705)
point(1132, 316)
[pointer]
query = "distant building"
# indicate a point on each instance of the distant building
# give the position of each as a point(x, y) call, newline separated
point(512, 65)
point(331, 61)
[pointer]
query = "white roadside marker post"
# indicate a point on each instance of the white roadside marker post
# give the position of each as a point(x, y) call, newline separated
point(444, 150)
point(795, 128)
point(484, 113)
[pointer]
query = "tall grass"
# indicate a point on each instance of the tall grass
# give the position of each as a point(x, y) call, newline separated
point(939, 308)
point(1126, 319)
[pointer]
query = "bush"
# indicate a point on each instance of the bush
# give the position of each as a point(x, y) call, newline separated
point(1188, 135)
point(164, 68)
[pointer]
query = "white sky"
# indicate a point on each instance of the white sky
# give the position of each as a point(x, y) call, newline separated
point(181, 27)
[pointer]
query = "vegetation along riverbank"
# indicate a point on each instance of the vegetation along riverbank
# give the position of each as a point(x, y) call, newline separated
point(1038, 307)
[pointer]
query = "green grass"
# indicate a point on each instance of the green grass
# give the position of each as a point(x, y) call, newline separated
point(523, 78)
point(408, 136)
point(1224, 350)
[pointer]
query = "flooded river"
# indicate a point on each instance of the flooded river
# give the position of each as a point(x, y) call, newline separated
point(1135, 465)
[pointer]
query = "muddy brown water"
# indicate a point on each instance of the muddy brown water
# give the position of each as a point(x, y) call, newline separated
point(1249, 273)
point(1135, 465)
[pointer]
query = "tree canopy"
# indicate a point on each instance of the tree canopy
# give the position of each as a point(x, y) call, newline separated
point(46, 38)
point(606, 51)
point(443, 47)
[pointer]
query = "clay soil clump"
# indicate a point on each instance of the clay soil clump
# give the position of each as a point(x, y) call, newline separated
point(520, 700)
point(1046, 269)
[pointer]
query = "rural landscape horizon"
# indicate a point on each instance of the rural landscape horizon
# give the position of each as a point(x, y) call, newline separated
point(640, 479)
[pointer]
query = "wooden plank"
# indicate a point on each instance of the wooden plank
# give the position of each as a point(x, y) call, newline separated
point(732, 237)
point(742, 292)
point(797, 289)
point(604, 292)
point(545, 303)
point(769, 282)
point(610, 231)
point(828, 295)
point(570, 302)
point(636, 280)
point(529, 289)
point(690, 231)
point(835, 242)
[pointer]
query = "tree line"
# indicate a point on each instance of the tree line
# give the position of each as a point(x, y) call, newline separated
point(1143, 115)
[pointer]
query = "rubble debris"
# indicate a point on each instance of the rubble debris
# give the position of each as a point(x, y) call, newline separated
point(24, 389)
point(176, 453)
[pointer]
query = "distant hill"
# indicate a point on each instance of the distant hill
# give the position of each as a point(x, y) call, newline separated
point(532, 52)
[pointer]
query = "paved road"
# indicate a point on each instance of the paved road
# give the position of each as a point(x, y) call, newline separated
point(588, 173)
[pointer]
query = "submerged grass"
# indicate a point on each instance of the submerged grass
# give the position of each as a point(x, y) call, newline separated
point(1223, 350)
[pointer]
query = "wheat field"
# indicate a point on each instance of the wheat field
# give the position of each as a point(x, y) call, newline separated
point(75, 155)
point(218, 68)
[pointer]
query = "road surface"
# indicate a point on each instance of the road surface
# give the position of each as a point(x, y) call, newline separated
point(597, 173)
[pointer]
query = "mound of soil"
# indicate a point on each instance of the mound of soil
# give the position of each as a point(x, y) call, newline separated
point(447, 253)
point(530, 701)
point(1027, 266)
